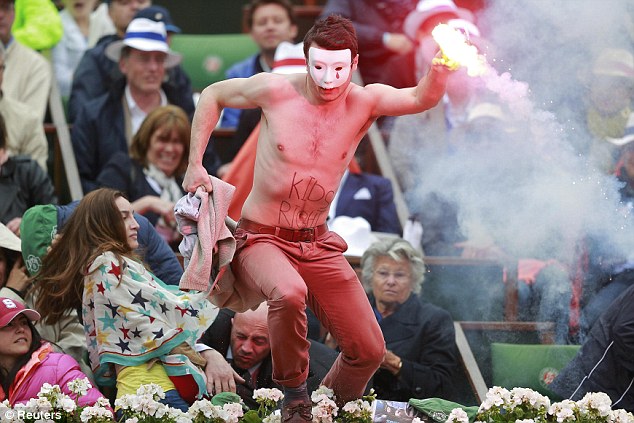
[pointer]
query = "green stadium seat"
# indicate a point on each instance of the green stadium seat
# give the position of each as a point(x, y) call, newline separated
point(529, 366)
point(206, 57)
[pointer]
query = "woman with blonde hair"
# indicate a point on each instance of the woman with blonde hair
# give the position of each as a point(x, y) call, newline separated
point(151, 175)
point(138, 329)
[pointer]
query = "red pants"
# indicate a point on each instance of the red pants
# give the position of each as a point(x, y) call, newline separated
point(291, 275)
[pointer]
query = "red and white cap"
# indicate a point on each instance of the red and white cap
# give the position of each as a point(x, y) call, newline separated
point(10, 308)
point(425, 9)
point(289, 58)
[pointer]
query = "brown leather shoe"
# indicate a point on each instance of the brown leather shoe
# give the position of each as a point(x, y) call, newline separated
point(297, 412)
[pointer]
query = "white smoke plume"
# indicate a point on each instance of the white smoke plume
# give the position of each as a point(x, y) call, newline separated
point(531, 190)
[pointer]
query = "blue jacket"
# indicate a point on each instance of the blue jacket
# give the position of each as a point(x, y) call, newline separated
point(96, 75)
point(155, 252)
point(244, 69)
point(370, 197)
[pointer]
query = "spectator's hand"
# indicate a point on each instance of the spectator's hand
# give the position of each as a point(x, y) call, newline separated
point(224, 169)
point(399, 43)
point(14, 225)
point(18, 278)
point(196, 176)
point(391, 362)
point(220, 375)
point(152, 203)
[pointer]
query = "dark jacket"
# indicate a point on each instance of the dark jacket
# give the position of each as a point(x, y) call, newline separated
point(96, 74)
point(371, 19)
point(218, 337)
point(99, 133)
point(126, 175)
point(423, 336)
point(604, 362)
point(23, 184)
point(370, 197)
point(154, 250)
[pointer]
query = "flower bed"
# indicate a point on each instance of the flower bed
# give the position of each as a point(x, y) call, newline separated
point(519, 405)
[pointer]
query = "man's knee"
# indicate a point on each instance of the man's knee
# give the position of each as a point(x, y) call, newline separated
point(289, 296)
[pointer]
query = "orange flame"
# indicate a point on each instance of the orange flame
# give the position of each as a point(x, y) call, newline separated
point(457, 52)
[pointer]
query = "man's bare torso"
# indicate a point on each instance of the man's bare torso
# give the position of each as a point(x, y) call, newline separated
point(303, 151)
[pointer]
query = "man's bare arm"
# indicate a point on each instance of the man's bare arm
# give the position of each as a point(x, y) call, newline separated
point(239, 93)
point(395, 102)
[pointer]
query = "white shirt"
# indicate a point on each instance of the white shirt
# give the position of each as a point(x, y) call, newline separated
point(137, 115)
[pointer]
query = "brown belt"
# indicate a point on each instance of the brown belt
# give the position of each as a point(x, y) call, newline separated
point(292, 235)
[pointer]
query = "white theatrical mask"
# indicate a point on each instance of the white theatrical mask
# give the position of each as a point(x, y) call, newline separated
point(329, 68)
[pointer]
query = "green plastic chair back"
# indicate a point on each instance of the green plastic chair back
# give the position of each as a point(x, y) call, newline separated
point(529, 366)
point(206, 57)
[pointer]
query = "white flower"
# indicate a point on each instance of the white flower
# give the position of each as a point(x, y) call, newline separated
point(178, 415)
point(273, 418)
point(621, 416)
point(67, 404)
point(268, 394)
point(102, 402)
point(417, 420)
point(151, 389)
point(46, 389)
point(525, 421)
point(563, 411)
point(598, 402)
point(79, 386)
point(95, 412)
point(457, 415)
point(322, 390)
point(357, 407)
point(205, 407)
point(325, 410)
point(233, 412)
point(132, 420)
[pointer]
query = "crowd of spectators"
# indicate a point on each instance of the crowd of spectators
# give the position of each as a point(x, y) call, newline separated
point(130, 103)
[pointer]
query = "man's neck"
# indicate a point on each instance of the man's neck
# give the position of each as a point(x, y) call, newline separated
point(146, 101)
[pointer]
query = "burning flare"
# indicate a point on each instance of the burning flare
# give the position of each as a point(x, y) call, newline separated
point(457, 52)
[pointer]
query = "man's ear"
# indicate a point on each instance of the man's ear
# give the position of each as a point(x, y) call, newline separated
point(355, 62)
point(123, 65)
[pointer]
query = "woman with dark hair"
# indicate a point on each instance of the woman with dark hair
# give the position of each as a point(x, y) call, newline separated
point(151, 175)
point(27, 362)
point(138, 329)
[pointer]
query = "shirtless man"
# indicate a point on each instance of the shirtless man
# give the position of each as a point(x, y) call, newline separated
point(311, 125)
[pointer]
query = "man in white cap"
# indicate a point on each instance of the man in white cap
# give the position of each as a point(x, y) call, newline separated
point(106, 124)
point(311, 125)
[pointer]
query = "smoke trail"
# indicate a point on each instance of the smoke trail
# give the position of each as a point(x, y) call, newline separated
point(530, 189)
